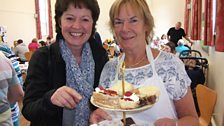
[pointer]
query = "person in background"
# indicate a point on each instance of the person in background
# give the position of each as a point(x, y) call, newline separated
point(181, 47)
point(169, 47)
point(33, 46)
point(61, 77)
point(15, 63)
point(11, 91)
point(14, 44)
point(155, 43)
point(20, 50)
point(49, 40)
point(132, 23)
point(117, 49)
point(176, 33)
point(163, 39)
point(42, 43)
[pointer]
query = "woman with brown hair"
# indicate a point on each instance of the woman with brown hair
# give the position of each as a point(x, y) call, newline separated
point(61, 77)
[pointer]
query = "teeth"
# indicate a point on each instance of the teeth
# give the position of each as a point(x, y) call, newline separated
point(126, 38)
point(76, 34)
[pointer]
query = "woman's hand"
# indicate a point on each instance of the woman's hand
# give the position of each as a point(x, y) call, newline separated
point(66, 97)
point(99, 115)
point(165, 122)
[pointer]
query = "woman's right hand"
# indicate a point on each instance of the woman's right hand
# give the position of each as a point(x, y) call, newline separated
point(66, 97)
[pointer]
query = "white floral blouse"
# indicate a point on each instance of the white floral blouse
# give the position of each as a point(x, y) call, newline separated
point(169, 67)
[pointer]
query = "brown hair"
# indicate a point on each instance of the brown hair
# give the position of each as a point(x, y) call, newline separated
point(172, 46)
point(62, 5)
point(19, 41)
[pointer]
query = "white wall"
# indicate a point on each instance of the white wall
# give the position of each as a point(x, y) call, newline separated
point(20, 22)
point(102, 24)
point(18, 19)
point(216, 82)
point(165, 14)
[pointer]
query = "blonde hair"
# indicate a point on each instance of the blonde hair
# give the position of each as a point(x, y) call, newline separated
point(139, 6)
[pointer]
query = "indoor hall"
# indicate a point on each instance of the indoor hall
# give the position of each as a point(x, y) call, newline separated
point(202, 21)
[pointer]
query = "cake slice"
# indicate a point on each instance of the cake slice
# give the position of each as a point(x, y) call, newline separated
point(118, 87)
point(106, 98)
point(129, 101)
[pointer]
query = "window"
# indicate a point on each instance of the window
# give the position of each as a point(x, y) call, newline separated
point(44, 18)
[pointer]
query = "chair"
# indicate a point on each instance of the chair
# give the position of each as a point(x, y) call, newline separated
point(28, 55)
point(24, 76)
point(105, 46)
point(111, 50)
point(190, 53)
point(206, 98)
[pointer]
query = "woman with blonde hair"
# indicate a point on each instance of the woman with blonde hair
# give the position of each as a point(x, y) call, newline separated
point(132, 23)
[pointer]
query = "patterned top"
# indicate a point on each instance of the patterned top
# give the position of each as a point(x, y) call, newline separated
point(10, 54)
point(8, 78)
point(169, 67)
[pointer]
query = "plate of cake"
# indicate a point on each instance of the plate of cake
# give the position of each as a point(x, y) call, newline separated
point(133, 99)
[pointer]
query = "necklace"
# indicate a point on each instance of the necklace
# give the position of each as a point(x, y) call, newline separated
point(140, 61)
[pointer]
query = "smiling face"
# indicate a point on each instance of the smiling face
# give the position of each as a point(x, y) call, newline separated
point(76, 26)
point(129, 28)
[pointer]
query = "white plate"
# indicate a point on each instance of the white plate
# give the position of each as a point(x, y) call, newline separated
point(122, 110)
point(119, 123)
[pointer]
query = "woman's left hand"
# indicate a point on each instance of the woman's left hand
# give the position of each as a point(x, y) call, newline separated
point(165, 122)
point(99, 115)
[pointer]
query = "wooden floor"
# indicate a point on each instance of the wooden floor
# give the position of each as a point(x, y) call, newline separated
point(22, 121)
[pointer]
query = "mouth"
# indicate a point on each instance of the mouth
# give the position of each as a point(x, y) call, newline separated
point(127, 37)
point(76, 34)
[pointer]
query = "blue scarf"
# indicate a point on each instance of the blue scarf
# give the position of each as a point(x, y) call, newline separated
point(81, 79)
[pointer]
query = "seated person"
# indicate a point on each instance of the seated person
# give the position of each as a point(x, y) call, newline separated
point(48, 41)
point(169, 47)
point(181, 47)
point(163, 39)
point(42, 43)
point(33, 46)
point(155, 43)
point(20, 50)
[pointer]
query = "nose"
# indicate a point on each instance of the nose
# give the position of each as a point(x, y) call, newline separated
point(125, 26)
point(76, 24)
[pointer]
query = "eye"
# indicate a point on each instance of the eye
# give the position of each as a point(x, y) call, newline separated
point(133, 20)
point(86, 19)
point(69, 18)
point(117, 22)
